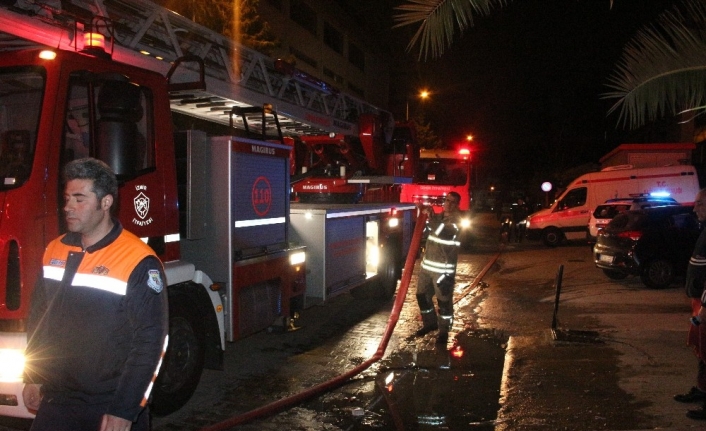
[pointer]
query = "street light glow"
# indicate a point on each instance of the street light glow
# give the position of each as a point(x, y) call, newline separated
point(423, 95)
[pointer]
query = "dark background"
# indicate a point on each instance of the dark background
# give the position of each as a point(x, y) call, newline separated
point(526, 82)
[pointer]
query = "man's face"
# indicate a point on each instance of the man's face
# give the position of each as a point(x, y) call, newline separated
point(700, 206)
point(82, 209)
point(450, 204)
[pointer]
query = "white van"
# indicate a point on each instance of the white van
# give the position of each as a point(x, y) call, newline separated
point(568, 217)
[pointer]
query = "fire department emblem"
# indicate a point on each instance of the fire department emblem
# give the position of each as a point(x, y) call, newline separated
point(142, 205)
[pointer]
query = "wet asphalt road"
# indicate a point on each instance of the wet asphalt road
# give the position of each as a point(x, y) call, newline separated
point(417, 385)
point(408, 388)
point(619, 358)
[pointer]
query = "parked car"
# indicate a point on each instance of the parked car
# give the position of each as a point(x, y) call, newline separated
point(605, 212)
point(653, 243)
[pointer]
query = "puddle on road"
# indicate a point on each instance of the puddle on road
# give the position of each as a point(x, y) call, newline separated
point(431, 388)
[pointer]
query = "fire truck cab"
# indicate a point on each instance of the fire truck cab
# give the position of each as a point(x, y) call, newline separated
point(438, 173)
point(57, 106)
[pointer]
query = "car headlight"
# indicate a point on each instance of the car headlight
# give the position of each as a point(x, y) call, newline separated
point(465, 223)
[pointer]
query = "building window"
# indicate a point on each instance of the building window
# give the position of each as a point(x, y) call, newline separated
point(356, 57)
point(356, 90)
point(303, 57)
point(333, 38)
point(304, 15)
point(338, 79)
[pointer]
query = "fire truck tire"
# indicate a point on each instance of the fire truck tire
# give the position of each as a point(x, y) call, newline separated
point(183, 362)
point(387, 283)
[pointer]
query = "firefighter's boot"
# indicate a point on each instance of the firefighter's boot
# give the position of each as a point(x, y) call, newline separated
point(445, 321)
point(429, 323)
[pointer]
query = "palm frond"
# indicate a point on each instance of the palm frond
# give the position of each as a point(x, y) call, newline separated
point(438, 21)
point(663, 68)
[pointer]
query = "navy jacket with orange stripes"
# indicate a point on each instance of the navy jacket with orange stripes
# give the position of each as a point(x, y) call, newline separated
point(98, 323)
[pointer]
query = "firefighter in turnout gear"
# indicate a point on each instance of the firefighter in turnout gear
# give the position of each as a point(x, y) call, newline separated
point(438, 269)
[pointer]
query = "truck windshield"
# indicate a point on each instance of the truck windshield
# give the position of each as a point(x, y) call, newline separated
point(442, 171)
point(21, 92)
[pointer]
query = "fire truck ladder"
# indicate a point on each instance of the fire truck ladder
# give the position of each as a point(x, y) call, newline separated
point(152, 37)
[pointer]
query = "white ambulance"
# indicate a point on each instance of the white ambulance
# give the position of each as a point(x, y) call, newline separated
point(568, 217)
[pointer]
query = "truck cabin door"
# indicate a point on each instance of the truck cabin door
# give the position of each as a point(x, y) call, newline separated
point(107, 117)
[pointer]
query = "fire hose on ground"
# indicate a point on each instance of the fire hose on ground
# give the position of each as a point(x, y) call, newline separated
point(345, 377)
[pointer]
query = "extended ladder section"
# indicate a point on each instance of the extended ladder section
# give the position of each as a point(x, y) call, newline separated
point(151, 37)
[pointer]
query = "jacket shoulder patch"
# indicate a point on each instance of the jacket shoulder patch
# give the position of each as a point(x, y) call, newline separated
point(154, 280)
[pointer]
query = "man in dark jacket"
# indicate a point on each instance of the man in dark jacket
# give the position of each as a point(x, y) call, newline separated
point(98, 322)
point(695, 279)
point(438, 269)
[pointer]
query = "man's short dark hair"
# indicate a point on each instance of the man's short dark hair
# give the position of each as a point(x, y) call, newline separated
point(104, 180)
point(456, 196)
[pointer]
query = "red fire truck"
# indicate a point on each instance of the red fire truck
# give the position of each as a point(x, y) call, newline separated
point(437, 173)
point(107, 79)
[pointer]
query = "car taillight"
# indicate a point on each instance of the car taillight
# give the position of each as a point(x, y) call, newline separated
point(631, 234)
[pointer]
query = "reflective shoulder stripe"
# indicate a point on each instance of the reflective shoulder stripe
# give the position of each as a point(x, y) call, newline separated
point(100, 282)
point(53, 272)
point(443, 241)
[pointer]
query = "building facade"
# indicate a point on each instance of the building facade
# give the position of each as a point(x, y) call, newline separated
point(325, 41)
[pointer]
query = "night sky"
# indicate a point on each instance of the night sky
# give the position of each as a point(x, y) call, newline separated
point(526, 82)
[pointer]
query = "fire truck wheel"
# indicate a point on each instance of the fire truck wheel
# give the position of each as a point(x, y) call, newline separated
point(387, 283)
point(183, 362)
